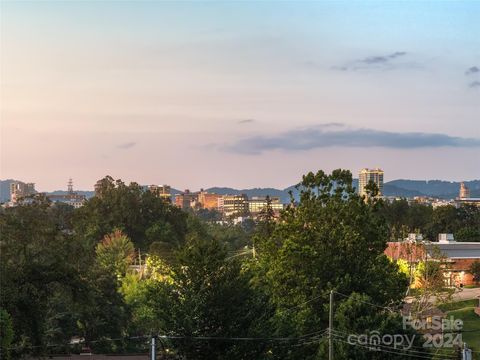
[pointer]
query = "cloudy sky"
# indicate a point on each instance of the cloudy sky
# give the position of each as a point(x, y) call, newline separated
point(238, 94)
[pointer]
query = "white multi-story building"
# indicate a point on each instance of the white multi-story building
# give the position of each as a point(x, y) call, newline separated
point(258, 203)
point(233, 205)
point(161, 191)
point(19, 190)
point(367, 175)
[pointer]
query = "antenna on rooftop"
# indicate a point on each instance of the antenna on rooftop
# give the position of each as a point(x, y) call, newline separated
point(70, 186)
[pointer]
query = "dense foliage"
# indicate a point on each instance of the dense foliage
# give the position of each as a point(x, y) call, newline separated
point(403, 218)
point(128, 264)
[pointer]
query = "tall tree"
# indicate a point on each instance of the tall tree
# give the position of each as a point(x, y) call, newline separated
point(142, 216)
point(210, 296)
point(331, 240)
point(475, 270)
point(102, 311)
point(6, 334)
point(115, 252)
point(39, 271)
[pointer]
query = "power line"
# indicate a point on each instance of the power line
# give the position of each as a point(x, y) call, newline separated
point(318, 339)
point(337, 337)
point(225, 338)
point(402, 349)
point(304, 303)
point(365, 302)
point(78, 343)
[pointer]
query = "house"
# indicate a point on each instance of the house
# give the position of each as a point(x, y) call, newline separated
point(456, 257)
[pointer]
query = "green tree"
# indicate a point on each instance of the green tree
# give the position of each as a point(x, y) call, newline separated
point(444, 220)
point(356, 316)
point(331, 240)
point(51, 284)
point(102, 311)
point(469, 227)
point(208, 215)
point(142, 216)
point(430, 277)
point(39, 270)
point(403, 218)
point(6, 334)
point(475, 270)
point(115, 252)
point(209, 296)
point(135, 290)
point(234, 237)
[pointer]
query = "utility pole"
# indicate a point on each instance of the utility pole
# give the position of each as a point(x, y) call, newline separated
point(153, 348)
point(330, 328)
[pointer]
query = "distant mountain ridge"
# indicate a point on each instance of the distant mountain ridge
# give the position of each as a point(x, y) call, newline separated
point(435, 187)
point(88, 194)
point(403, 188)
point(5, 190)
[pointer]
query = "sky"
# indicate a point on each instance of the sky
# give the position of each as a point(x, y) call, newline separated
point(241, 94)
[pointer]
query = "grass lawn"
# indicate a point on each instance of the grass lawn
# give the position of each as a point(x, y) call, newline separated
point(458, 305)
point(471, 322)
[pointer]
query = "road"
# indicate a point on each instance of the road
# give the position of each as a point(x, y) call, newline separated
point(460, 295)
point(466, 294)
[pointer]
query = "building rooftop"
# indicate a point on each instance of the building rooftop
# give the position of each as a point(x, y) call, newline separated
point(415, 251)
point(457, 250)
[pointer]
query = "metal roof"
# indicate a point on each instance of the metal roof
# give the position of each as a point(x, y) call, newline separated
point(457, 250)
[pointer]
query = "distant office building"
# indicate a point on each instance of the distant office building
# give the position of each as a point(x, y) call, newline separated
point(207, 200)
point(233, 205)
point(257, 204)
point(464, 191)
point(442, 202)
point(19, 190)
point(424, 200)
point(70, 198)
point(161, 191)
point(464, 197)
point(367, 175)
point(186, 199)
point(467, 201)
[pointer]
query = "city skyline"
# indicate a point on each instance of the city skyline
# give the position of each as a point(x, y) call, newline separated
point(238, 94)
point(71, 184)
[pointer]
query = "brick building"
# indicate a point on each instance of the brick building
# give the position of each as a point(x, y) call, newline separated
point(186, 199)
point(207, 200)
point(456, 257)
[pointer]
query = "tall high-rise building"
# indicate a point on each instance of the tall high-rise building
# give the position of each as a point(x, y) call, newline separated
point(464, 191)
point(367, 175)
point(19, 189)
point(161, 191)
